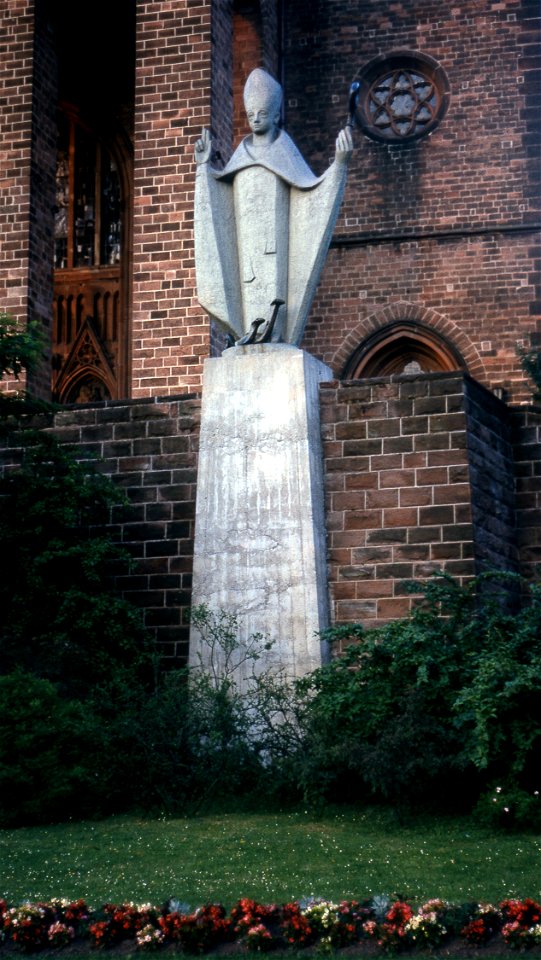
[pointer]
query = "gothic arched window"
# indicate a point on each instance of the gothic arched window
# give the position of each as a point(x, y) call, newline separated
point(402, 348)
point(90, 304)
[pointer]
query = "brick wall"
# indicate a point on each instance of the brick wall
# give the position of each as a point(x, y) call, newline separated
point(492, 479)
point(247, 54)
point(149, 448)
point(16, 38)
point(43, 192)
point(410, 464)
point(476, 292)
point(526, 426)
point(27, 98)
point(449, 222)
point(257, 43)
point(419, 477)
point(172, 102)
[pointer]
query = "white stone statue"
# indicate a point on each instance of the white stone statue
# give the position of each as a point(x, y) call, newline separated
point(264, 223)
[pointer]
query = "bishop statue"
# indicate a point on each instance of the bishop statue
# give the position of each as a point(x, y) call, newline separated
point(263, 224)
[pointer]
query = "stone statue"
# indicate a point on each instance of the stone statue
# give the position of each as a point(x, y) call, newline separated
point(264, 223)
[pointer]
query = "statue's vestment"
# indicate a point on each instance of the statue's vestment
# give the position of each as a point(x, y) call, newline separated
point(263, 226)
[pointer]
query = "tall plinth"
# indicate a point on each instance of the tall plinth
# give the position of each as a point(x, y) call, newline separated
point(260, 545)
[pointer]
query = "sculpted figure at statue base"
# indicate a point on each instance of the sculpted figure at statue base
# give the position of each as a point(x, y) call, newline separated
point(263, 224)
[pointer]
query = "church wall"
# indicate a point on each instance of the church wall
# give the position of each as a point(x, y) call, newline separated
point(398, 495)
point(419, 477)
point(471, 187)
point(149, 448)
point(526, 436)
point(174, 79)
point(43, 193)
point(16, 38)
point(478, 292)
point(446, 223)
point(27, 149)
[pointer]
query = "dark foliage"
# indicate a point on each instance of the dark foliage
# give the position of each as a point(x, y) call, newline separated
point(61, 617)
point(434, 709)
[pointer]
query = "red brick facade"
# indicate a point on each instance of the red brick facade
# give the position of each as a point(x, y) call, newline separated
point(419, 476)
point(172, 103)
point(27, 164)
point(438, 235)
point(17, 36)
point(443, 230)
point(448, 223)
point(422, 474)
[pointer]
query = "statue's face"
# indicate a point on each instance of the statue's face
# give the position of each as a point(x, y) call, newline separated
point(261, 118)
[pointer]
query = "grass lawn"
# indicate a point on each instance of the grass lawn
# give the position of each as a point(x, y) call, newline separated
point(343, 854)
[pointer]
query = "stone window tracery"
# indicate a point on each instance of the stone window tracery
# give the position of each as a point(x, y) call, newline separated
point(403, 96)
point(90, 307)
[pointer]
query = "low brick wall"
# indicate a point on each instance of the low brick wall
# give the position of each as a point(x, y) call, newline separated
point(149, 448)
point(410, 464)
point(421, 474)
point(526, 435)
point(492, 479)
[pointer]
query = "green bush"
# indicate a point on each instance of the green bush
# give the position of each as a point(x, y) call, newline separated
point(21, 348)
point(530, 361)
point(433, 708)
point(204, 739)
point(61, 617)
point(46, 749)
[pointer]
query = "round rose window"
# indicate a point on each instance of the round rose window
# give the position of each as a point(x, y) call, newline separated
point(403, 96)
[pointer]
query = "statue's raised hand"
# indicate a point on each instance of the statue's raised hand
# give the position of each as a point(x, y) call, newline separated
point(203, 147)
point(344, 145)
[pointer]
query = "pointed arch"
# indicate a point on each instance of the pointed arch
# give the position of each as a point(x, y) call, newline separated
point(403, 333)
point(87, 374)
point(92, 246)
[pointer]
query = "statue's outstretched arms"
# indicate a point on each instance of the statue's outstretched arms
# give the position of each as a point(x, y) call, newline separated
point(344, 146)
point(203, 147)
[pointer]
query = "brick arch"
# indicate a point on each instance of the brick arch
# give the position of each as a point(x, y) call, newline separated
point(404, 312)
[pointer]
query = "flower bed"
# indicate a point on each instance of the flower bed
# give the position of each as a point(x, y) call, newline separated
point(386, 925)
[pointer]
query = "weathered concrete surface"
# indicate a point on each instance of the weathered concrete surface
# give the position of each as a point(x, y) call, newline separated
point(260, 550)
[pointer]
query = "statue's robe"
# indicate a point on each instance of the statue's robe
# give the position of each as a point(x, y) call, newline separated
point(263, 226)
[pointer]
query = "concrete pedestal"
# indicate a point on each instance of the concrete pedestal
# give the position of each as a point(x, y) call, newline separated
point(260, 545)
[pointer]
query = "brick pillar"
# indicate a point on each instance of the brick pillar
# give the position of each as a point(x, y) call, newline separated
point(183, 53)
point(27, 164)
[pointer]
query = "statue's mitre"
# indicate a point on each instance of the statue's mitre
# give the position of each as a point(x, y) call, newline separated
point(261, 87)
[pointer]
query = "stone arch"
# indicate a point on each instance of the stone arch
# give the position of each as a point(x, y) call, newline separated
point(380, 332)
point(87, 386)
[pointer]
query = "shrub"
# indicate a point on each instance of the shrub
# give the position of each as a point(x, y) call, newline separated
point(75, 656)
point(45, 752)
point(61, 617)
point(433, 706)
point(21, 348)
point(204, 739)
point(530, 361)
